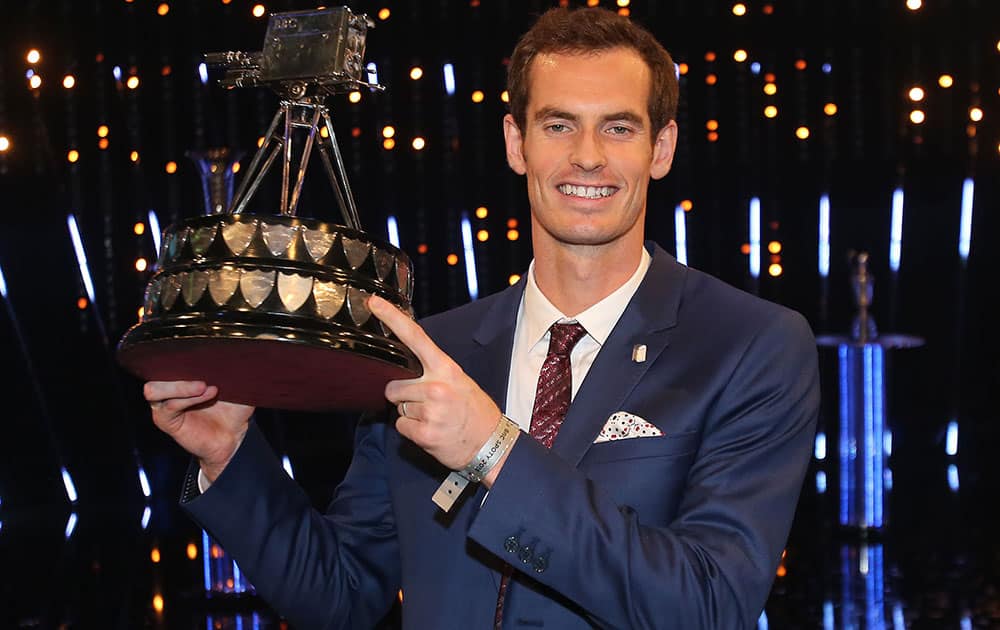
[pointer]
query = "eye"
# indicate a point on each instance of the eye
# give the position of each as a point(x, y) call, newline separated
point(620, 130)
point(557, 127)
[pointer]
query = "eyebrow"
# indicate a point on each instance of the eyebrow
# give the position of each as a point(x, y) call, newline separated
point(552, 112)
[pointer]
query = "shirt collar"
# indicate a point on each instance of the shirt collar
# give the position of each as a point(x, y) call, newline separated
point(598, 320)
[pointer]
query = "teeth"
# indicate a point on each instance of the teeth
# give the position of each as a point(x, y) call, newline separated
point(587, 192)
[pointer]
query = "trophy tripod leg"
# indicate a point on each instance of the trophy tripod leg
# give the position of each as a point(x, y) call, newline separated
point(238, 198)
point(349, 219)
point(339, 162)
point(286, 166)
point(258, 178)
point(304, 162)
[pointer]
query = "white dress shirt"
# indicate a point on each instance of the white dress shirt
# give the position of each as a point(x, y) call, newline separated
point(536, 315)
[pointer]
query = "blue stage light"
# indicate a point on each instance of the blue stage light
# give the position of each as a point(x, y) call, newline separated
point(206, 551)
point(154, 229)
point(819, 449)
point(755, 237)
point(896, 233)
point(287, 465)
point(821, 482)
point(449, 79)
point(146, 514)
point(70, 525)
point(81, 257)
point(965, 622)
point(3, 284)
point(828, 618)
point(116, 72)
point(953, 477)
point(887, 479)
point(144, 482)
point(965, 230)
point(827, 68)
point(68, 484)
point(680, 234)
point(393, 229)
point(824, 235)
point(951, 439)
point(203, 72)
point(470, 259)
point(755, 67)
point(887, 442)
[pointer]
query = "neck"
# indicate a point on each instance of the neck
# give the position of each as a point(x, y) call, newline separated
point(575, 277)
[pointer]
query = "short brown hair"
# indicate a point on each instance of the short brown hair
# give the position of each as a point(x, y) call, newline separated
point(592, 30)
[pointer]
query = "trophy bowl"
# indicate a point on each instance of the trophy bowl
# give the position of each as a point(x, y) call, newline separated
point(273, 310)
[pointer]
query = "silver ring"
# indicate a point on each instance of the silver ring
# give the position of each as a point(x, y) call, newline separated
point(403, 405)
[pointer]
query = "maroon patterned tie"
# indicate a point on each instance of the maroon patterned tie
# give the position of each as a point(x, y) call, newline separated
point(552, 397)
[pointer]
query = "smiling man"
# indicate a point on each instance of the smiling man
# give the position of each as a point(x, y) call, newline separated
point(622, 439)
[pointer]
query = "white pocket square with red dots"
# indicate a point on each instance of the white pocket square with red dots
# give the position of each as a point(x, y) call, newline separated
point(622, 426)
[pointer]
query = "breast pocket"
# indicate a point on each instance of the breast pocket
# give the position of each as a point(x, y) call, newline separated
point(646, 475)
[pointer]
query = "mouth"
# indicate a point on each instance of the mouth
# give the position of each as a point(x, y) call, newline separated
point(587, 192)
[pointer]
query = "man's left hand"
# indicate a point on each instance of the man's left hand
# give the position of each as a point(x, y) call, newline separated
point(444, 411)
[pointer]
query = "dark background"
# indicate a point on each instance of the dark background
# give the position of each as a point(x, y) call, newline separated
point(66, 403)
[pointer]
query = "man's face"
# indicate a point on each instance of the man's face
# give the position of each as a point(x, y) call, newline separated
point(587, 148)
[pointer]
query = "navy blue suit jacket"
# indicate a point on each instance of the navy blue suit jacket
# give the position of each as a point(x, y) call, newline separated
point(679, 531)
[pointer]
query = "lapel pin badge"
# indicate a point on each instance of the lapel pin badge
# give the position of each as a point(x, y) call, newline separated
point(639, 353)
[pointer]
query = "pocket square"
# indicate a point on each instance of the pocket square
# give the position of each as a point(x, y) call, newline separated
point(623, 425)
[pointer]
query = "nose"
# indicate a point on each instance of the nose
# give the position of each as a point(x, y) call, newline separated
point(588, 152)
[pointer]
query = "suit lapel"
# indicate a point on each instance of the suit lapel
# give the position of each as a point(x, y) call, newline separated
point(489, 366)
point(647, 320)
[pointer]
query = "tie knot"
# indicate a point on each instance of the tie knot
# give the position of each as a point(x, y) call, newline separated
point(562, 337)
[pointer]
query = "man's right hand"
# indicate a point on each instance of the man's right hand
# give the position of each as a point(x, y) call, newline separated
point(206, 427)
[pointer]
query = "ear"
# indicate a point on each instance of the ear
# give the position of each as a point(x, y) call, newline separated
point(515, 145)
point(663, 150)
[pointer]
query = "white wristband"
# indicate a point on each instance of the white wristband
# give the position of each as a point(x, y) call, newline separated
point(491, 452)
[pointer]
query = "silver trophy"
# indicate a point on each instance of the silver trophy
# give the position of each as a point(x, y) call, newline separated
point(273, 308)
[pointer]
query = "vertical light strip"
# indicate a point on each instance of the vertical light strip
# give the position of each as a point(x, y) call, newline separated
point(68, 484)
point(147, 513)
point(887, 442)
point(847, 474)
point(81, 257)
point(896, 231)
point(828, 618)
point(755, 237)
point(965, 230)
point(238, 585)
point(287, 465)
point(898, 621)
point(449, 79)
point(70, 525)
point(3, 284)
point(154, 230)
point(393, 228)
point(870, 450)
point(824, 235)
point(680, 235)
point(951, 439)
point(819, 448)
point(144, 482)
point(821, 481)
point(953, 477)
point(470, 258)
point(202, 72)
point(206, 551)
point(878, 426)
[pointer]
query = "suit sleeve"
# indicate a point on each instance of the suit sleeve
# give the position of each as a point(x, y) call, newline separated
point(713, 566)
point(333, 570)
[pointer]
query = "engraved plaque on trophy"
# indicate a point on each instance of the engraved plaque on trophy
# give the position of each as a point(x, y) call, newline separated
point(272, 308)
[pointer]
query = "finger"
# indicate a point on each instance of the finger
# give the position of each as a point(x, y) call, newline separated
point(410, 429)
point(410, 409)
point(409, 332)
point(408, 389)
point(159, 391)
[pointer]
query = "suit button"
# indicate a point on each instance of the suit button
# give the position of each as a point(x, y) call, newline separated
point(541, 563)
point(511, 544)
point(526, 554)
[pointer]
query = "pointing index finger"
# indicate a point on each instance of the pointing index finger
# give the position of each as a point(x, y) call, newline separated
point(409, 332)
